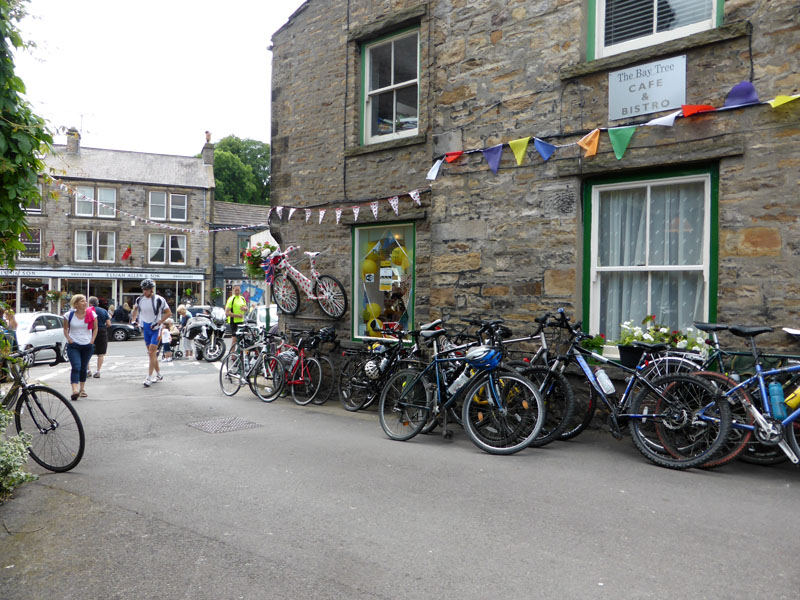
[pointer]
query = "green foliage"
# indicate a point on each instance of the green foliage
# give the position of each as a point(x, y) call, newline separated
point(594, 343)
point(251, 153)
point(24, 139)
point(234, 179)
point(13, 456)
point(252, 260)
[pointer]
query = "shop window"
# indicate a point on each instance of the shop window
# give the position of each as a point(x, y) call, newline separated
point(177, 249)
point(158, 206)
point(383, 276)
point(177, 207)
point(106, 246)
point(390, 102)
point(622, 25)
point(32, 240)
point(84, 246)
point(33, 295)
point(649, 251)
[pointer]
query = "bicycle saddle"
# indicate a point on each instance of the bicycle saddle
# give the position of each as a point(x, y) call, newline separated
point(430, 325)
point(432, 333)
point(651, 347)
point(311, 254)
point(709, 327)
point(742, 331)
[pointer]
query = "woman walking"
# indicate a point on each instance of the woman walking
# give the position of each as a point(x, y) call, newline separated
point(186, 343)
point(80, 329)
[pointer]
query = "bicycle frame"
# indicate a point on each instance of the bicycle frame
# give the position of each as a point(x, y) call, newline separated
point(304, 282)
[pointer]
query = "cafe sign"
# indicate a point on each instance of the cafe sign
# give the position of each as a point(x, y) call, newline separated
point(645, 89)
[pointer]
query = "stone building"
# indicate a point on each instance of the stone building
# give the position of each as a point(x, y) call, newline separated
point(111, 218)
point(693, 221)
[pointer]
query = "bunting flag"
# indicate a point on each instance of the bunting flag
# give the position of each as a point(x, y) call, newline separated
point(52, 252)
point(492, 156)
point(322, 215)
point(125, 255)
point(451, 156)
point(589, 142)
point(415, 197)
point(338, 215)
point(781, 100)
point(291, 212)
point(279, 210)
point(544, 149)
point(269, 271)
point(667, 121)
point(433, 173)
point(742, 94)
point(693, 109)
point(308, 214)
point(374, 206)
point(394, 201)
point(519, 148)
point(620, 138)
point(356, 210)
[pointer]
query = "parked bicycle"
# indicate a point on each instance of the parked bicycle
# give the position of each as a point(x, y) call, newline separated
point(249, 362)
point(55, 430)
point(284, 279)
point(302, 372)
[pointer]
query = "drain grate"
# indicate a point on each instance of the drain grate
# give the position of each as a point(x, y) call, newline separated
point(224, 425)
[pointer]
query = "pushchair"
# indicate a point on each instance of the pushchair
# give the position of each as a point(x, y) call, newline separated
point(174, 346)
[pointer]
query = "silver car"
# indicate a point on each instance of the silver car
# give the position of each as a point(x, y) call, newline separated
point(41, 329)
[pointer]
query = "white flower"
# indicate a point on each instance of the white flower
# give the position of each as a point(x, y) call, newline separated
point(637, 331)
point(689, 330)
point(663, 330)
point(626, 325)
point(682, 344)
point(648, 337)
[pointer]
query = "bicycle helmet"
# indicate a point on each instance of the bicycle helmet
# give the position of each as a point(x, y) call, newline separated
point(484, 357)
point(372, 369)
point(148, 284)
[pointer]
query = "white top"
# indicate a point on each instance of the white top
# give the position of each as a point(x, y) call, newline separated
point(78, 329)
point(146, 312)
point(166, 336)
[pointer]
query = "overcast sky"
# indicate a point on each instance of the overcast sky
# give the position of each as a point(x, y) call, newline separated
point(152, 76)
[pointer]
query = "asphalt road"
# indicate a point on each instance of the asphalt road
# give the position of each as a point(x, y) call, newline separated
point(315, 502)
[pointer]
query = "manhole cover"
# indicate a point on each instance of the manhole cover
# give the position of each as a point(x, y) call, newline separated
point(224, 425)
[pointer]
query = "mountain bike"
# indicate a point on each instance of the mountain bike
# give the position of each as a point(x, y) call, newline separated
point(284, 279)
point(55, 430)
point(250, 362)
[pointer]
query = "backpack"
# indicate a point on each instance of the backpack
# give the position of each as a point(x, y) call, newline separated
point(89, 309)
point(156, 307)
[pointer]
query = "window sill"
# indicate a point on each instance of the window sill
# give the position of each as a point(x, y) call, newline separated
point(390, 145)
point(712, 36)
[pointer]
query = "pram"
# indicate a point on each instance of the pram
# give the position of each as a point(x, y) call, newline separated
point(174, 345)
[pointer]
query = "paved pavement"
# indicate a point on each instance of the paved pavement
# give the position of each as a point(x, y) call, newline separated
point(315, 502)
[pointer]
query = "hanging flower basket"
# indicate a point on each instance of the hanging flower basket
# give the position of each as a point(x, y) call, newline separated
point(53, 295)
point(252, 260)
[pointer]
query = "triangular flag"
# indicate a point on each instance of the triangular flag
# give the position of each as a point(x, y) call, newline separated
point(667, 121)
point(291, 212)
point(693, 109)
point(393, 202)
point(544, 149)
point(742, 94)
point(433, 173)
point(620, 138)
point(781, 100)
point(374, 206)
point(279, 210)
point(53, 250)
point(355, 212)
point(492, 156)
point(519, 147)
point(451, 156)
point(415, 197)
point(589, 142)
point(125, 255)
point(322, 214)
point(308, 214)
point(338, 215)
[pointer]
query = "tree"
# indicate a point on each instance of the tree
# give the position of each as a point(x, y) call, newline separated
point(234, 179)
point(24, 139)
point(252, 153)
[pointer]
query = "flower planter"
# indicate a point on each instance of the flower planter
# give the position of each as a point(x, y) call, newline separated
point(630, 355)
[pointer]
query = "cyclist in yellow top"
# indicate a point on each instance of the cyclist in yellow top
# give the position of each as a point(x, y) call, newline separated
point(235, 308)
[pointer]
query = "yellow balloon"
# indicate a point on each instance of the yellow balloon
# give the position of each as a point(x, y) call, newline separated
point(375, 328)
point(368, 266)
point(406, 263)
point(398, 255)
point(374, 310)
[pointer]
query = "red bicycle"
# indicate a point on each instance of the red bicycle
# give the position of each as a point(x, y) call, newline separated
point(303, 374)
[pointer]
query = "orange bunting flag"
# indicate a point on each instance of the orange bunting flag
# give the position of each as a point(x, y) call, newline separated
point(451, 156)
point(589, 142)
point(693, 109)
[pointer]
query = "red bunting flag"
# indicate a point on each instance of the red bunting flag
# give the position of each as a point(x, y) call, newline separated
point(127, 254)
point(451, 156)
point(693, 109)
point(52, 252)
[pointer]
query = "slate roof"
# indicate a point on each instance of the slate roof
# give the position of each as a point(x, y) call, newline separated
point(97, 164)
point(232, 213)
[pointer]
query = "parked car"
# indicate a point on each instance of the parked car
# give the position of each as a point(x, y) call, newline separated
point(119, 332)
point(261, 313)
point(41, 329)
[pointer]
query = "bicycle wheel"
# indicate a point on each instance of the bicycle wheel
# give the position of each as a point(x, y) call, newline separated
point(353, 387)
point(559, 402)
point(310, 376)
point(268, 378)
point(57, 434)
point(230, 374)
point(584, 407)
point(332, 299)
point(328, 380)
point(683, 421)
point(404, 405)
point(503, 412)
point(285, 294)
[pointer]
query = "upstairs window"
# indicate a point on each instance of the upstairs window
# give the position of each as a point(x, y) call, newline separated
point(623, 25)
point(177, 207)
point(158, 205)
point(32, 240)
point(105, 207)
point(391, 88)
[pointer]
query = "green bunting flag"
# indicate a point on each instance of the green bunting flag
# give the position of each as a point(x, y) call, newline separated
point(620, 138)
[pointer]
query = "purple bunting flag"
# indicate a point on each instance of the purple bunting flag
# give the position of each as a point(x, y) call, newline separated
point(492, 156)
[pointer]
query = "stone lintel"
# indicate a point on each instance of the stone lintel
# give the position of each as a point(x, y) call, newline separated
point(392, 22)
point(391, 145)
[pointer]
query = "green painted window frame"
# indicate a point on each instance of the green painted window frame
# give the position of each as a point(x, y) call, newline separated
point(592, 22)
point(712, 171)
point(355, 292)
point(363, 116)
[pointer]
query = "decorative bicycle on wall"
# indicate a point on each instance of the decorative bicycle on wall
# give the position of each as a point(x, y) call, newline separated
point(284, 278)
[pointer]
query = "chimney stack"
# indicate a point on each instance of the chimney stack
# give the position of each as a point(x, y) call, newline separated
point(208, 151)
point(73, 141)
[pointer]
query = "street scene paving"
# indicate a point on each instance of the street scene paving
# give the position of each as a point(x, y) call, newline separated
point(315, 502)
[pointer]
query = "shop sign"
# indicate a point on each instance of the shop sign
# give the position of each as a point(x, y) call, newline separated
point(68, 274)
point(386, 276)
point(645, 89)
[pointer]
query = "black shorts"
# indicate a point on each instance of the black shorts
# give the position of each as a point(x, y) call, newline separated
point(234, 328)
point(101, 341)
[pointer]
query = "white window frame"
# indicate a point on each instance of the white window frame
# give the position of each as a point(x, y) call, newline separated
point(102, 211)
point(81, 191)
point(21, 256)
point(112, 246)
point(150, 206)
point(595, 270)
point(90, 245)
point(36, 210)
point(172, 198)
point(369, 138)
point(647, 40)
point(150, 248)
point(185, 252)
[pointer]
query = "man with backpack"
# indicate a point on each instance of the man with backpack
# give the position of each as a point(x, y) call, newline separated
point(152, 312)
point(235, 308)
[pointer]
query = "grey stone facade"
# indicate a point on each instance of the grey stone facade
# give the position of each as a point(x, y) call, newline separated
point(512, 243)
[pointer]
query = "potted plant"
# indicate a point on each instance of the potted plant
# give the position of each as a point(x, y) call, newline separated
point(596, 343)
point(253, 257)
point(216, 293)
point(653, 333)
point(53, 296)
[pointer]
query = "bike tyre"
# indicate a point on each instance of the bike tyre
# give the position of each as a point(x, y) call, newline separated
point(402, 411)
point(353, 388)
point(328, 380)
point(230, 374)
point(559, 402)
point(215, 350)
point(335, 306)
point(582, 415)
point(268, 378)
point(70, 440)
point(497, 433)
point(311, 375)
point(285, 294)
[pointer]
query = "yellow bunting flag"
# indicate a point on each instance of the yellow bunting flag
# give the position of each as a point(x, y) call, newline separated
point(780, 100)
point(589, 143)
point(519, 147)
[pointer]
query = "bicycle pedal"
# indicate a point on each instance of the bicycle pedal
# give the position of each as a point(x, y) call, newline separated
point(613, 426)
